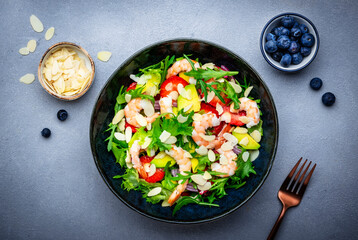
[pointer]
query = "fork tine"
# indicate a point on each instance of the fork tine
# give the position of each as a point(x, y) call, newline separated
point(301, 178)
point(305, 183)
point(293, 184)
point(289, 176)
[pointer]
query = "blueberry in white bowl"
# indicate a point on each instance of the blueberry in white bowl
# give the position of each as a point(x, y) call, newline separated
point(296, 40)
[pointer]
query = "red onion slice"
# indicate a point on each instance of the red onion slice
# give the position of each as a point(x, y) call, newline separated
point(156, 105)
point(236, 150)
point(190, 187)
point(174, 172)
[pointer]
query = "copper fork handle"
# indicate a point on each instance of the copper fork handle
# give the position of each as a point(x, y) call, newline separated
point(277, 224)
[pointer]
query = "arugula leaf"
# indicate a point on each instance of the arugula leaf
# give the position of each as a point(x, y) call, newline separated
point(167, 63)
point(137, 93)
point(112, 129)
point(208, 73)
point(183, 201)
point(155, 133)
point(218, 187)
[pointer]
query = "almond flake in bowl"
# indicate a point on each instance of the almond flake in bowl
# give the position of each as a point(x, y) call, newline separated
point(66, 71)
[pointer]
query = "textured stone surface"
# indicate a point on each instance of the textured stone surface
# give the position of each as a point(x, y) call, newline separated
point(51, 189)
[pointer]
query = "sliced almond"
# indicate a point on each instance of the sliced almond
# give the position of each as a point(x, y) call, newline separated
point(254, 155)
point(182, 119)
point(240, 130)
point(226, 117)
point(211, 156)
point(152, 170)
point(128, 157)
point(129, 165)
point(198, 179)
point(244, 141)
point(223, 160)
point(208, 65)
point(49, 33)
point(24, 51)
point(185, 139)
point(118, 117)
point(31, 45)
point(171, 140)
point(207, 175)
point(187, 155)
point(120, 136)
point(205, 187)
point(142, 121)
point(180, 89)
point(236, 87)
point(174, 95)
point(210, 97)
point(27, 78)
point(230, 138)
point(128, 134)
point(192, 80)
point(154, 191)
point(36, 24)
point(227, 146)
point(149, 126)
point(202, 150)
point(164, 136)
point(146, 143)
point(245, 156)
point(244, 119)
point(197, 117)
point(169, 87)
point(122, 125)
point(127, 97)
point(146, 167)
point(161, 155)
point(165, 203)
point(147, 107)
point(256, 135)
point(247, 91)
point(232, 108)
point(104, 56)
point(187, 107)
point(208, 138)
point(219, 108)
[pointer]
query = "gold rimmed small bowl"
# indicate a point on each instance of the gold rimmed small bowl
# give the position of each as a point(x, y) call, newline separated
point(83, 54)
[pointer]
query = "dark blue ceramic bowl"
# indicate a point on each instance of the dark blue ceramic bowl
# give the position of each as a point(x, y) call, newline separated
point(103, 113)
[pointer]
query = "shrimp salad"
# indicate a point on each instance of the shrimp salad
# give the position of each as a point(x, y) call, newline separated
point(185, 132)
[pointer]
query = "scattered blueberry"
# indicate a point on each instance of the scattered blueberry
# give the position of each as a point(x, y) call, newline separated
point(283, 42)
point(303, 28)
point(288, 21)
point(277, 56)
point(286, 60)
point(62, 115)
point(328, 99)
point(297, 58)
point(296, 32)
point(316, 83)
point(294, 47)
point(307, 40)
point(46, 132)
point(285, 31)
point(305, 51)
point(271, 36)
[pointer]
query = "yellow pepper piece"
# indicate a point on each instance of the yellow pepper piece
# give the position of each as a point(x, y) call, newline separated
point(194, 164)
point(183, 76)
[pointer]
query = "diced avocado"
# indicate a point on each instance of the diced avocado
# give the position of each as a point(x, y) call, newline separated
point(162, 161)
point(252, 144)
point(183, 76)
point(194, 99)
point(194, 164)
point(153, 80)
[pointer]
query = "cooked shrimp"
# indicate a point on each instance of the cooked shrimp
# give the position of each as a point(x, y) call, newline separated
point(134, 152)
point(166, 105)
point(228, 168)
point(181, 66)
point(180, 156)
point(133, 109)
point(251, 109)
point(247, 108)
point(206, 120)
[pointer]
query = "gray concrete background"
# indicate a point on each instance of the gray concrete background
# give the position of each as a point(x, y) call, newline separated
point(51, 189)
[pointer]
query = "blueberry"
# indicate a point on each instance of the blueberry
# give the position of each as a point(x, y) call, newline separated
point(286, 60)
point(277, 31)
point(285, 31)
point(305, 51)
point(270, 46)
point(283, 42)
point(46, 132)
point(316, 83)
point(307, 40)
point(277, 56)
point(294, 47)
point(296, 32)
point(293, 38)
point(303, 28)
point(328, 99)
point(270, 36)
point(287, 21)
point(62, 115)
point(297, 58)
point(296, 25)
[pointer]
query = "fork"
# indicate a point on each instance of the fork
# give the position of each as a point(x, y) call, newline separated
point(291, 191)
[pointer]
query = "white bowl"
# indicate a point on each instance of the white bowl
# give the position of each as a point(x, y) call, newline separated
point(275, 22)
